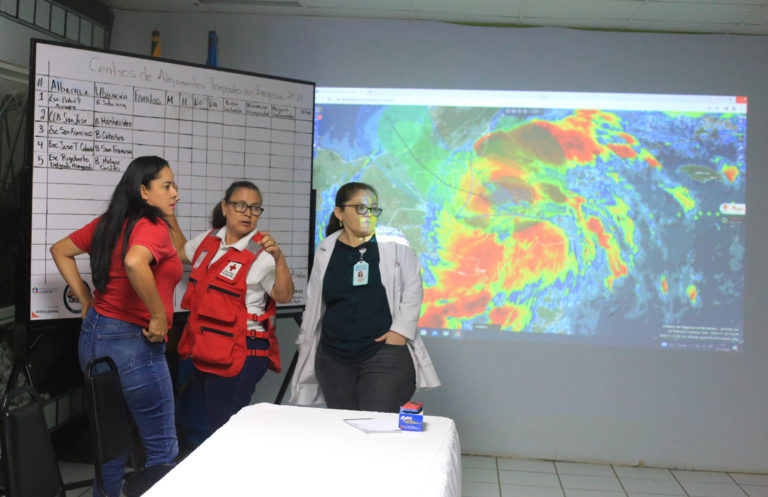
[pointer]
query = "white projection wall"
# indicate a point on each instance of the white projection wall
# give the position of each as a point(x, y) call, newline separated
point(596, 218)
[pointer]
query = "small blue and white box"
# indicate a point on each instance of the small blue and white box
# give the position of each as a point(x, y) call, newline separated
point(411, 417)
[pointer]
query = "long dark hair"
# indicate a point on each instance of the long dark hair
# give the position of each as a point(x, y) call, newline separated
point(345, 193)
point(217, 215)
point(125, 209)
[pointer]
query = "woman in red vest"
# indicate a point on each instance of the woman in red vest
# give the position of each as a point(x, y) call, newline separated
point(135, 269)
point(237, 275)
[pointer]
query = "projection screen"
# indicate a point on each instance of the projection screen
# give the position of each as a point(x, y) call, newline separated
point(598, 218)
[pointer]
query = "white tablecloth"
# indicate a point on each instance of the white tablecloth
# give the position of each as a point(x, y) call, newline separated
point(272, 450)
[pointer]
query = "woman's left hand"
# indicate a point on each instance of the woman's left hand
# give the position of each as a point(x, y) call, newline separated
point(270, 246)
point(392, 338)
point(157, 329)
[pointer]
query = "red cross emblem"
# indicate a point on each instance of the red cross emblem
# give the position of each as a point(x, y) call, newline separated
point(230, 270)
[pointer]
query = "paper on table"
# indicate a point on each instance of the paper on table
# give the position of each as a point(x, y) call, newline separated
point(375, 425)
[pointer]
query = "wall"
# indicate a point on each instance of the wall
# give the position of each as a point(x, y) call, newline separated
point(668, 408)
point(14, 42)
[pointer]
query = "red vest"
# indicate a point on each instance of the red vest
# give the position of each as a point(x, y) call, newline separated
point(214, 336)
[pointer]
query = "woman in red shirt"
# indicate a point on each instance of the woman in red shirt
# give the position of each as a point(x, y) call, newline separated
point(134, 269)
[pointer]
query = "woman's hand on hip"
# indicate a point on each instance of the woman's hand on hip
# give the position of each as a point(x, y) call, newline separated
point(86, 303)
point(392, 338)
point(158, 328)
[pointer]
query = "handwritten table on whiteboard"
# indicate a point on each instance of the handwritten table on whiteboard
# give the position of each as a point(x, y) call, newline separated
point(95, 111)
point(268, 449)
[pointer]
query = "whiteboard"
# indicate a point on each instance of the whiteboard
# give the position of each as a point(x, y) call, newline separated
point(94, 111)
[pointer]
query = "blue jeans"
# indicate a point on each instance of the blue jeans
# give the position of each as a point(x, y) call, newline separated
point(380, 383)
point(147, 388)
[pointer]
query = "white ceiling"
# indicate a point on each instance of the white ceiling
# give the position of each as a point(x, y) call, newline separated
point(688, 16)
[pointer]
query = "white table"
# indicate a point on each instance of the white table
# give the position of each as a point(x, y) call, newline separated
point(272, 450)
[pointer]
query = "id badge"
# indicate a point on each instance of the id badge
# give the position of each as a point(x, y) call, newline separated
point(360, 274)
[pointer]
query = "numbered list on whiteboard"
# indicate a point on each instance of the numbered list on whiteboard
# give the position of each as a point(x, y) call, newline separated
point(95, 111)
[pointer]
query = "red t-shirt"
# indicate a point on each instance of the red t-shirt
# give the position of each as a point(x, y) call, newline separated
point(120, 300)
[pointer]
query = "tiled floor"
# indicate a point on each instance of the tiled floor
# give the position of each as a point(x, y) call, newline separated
point(501, 477)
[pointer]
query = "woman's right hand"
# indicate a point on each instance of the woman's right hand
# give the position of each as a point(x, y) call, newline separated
point(86, 302)
point(157, 329)
point(64, 252)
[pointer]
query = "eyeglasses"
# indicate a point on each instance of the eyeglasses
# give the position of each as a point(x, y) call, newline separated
point(241, 207)
point(362, 209)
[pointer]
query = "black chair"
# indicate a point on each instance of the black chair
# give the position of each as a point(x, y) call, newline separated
point(30, 464)
point(112, 427)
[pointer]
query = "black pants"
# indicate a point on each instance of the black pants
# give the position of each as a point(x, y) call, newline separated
point(381, 383)
point(224, 396)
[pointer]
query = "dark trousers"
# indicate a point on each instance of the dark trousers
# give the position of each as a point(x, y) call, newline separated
point(224, 396)
point(381, 383)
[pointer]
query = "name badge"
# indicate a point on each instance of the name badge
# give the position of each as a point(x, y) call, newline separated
point(231, 270)
point(200, 259)
point(360, 274)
